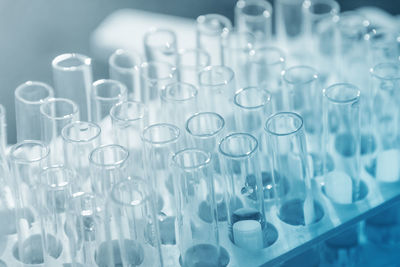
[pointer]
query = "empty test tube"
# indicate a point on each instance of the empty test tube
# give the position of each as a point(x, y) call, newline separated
point(124, 67)
point(72, 76)
point(190, 63)
point(161, 45)
point(28, 98)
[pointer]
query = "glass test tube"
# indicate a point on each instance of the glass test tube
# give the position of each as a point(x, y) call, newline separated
point(134, 223)
point(28, 98)
point(124, 67)
point(295, 201)
point(160, 141)
point(216, 91)
point(198, 238)
point(27, 158)
point(252, 106)
point(79, 139)
point(255, 17)
point(383, 46)
point(161, 45)
point(341, 139)
point(72, 76)
point(128, 121)
point(246, 218)
point(54, 193)
point(190, 63)
point(320, 18)
point(55, 113)
point(211, 32)
point(304, 96)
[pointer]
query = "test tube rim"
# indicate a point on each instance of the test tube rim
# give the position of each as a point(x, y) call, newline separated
point(281, 59)
point(117, 163)
point(225, 21)
point(58, 187)
point(375, 74)
point(146, 63)
point(143, 109)
point(205, 136)
point(130, 180)
point(335, 7)
point(283, 113)
point(27, 84)
point(118, 52)
point(225, 82)
point(123, 90)
point(240, 156)
point(57, 99)
point(315, 74)
point(199, 50)
point(89, 124)
point(365, 22)
point(199, 166)
point(266, 14)
point(85, 61)
point(175, 129)
point(266, 94)
point(354, 99)
point(154, 30)
point(193, 95)
point(25, 142)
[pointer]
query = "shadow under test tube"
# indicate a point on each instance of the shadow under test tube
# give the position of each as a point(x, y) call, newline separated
point(198, 238)
point(55, 113)
point(124, 67)
point(190, 63)
point(255, 17)
point(79, 139)
point(161, 45)
point(28, 98)
point(72, 76)
point(211, 32)
point(27, 159)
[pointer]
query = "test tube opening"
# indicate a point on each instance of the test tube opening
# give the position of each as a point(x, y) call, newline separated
point(213, 24)
point(252, 98)
point(205, 124)
point(178, 92)
point(161, 133)
point(125, 60)
point(71, 62)
point(33, 92)
point(80, 131)
point(300, 75)
point(109, 156)
point(215, 76)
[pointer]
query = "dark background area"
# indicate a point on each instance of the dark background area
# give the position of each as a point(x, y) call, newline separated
point(33, 32)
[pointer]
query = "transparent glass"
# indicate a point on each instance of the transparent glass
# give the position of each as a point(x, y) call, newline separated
point(160, 141)
point(292, 175)
point(161, 45)
point(197, 219)
point(216, 91)
point(304, 96)
point(212, 30)
point(190, 63)
point(134, 225)
point(79, 139)
point(28, 98)
point(255, 17)
point(341, 139)
point(54, 193)
point(72, 77)
point(55, 113)
point(3, 130)
point(246, 218)
point(128, 121)
point(383, 46)
point(320, 18)
point(108, 166)
point(27, 159)
point(124, 67)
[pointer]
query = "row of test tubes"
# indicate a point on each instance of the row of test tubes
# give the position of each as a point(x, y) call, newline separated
point(181, 150)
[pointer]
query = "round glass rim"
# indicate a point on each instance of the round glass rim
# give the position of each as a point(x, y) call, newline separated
point(240, 156)
point(196, 115)
point(334, 7)
point(266, 14)
point(123, 159)
point(222, 19)
point(314, 75)
point(166, 125)
point(58, 187)
point(353, 13)
point(147, 63)
point(45, 86)
point(199, 166)
point(79, 123)
point(375, 74)
point(131, 181)
point(156, 30)
point(229, 71)
point(266, 97)
point(75, 109)
point(135, 55)
point(284, 113)
point(356, 97)
point(123, 90)
point(193, 95)
point(29, 142)
point(281, 54)
point(142, 107)
point(85, 61)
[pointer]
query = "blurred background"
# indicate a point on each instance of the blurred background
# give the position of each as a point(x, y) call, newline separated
point(34, 32)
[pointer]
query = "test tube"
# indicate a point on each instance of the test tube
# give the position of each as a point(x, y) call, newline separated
point(198, 239)
point(341, 139)
point(72, 76)
point(190, 63)
point(295, 201)
point(160, 141)
point(28, 98)
point(320, 18)
point(255, 17)
point(124, 67)
point(27, 158)
point(252, 106)
point(134, 223)
point(304, 96)
point(211, 32)
point(161, 45)
point(79, 139)
point(3, 130)
point(216, 90)
point(383, 46)
point(54, 193)
point(128, 121)
point(246, 218)
point(55, 113)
